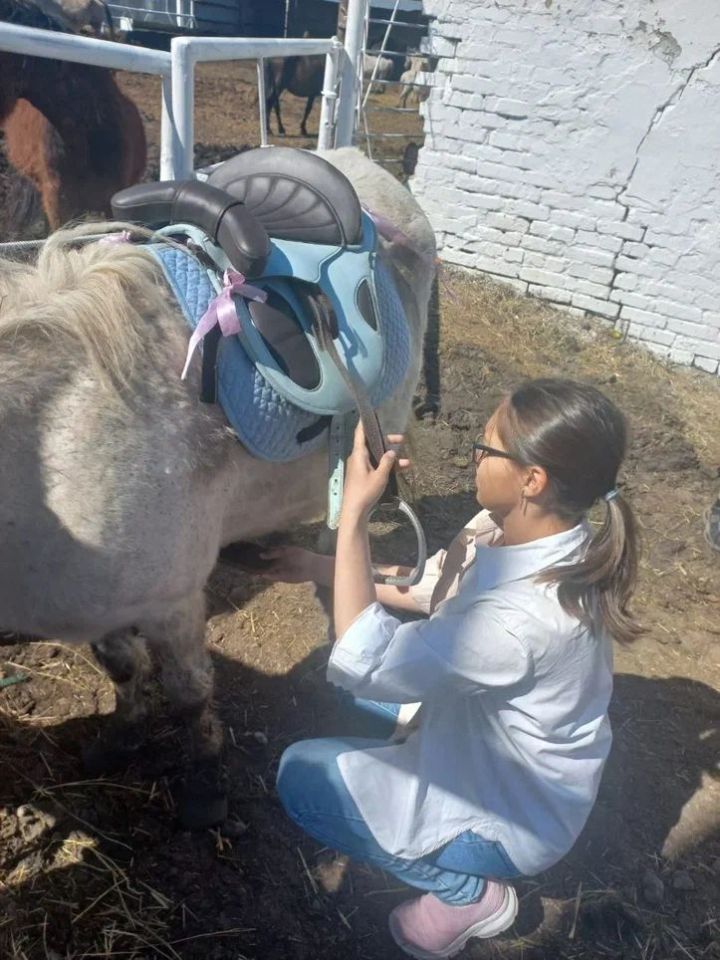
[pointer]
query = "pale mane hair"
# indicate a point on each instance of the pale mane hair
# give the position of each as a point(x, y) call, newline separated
point(91, 301)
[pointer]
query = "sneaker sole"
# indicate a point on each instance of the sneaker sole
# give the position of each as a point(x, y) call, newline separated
point(484, 929)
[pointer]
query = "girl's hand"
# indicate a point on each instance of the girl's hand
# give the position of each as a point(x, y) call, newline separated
point(364, 484)
point(293, 565)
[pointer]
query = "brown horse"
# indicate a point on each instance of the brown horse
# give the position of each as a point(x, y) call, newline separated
point(68, 128)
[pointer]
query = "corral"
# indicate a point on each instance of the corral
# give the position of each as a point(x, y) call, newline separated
point(95, 868)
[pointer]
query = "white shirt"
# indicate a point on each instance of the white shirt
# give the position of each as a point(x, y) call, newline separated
point(513, 732)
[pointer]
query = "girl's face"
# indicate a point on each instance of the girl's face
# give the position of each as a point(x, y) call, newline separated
point(498, 481)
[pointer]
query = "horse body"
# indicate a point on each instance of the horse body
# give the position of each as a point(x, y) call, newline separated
point(77, 167)
point(68, 127)
point(119, 486)
point(414, 65)
point(301, 76)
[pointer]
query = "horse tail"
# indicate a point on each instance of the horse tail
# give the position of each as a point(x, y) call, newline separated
point(134, 141)
point(22, 212)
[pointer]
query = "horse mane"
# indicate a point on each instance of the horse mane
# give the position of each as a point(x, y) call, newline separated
point(95, 303)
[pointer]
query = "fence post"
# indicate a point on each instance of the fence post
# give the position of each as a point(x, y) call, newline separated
point(168, 136)
point(352, 72)
point(262, 101)
point(328, 111)
point(183, 106)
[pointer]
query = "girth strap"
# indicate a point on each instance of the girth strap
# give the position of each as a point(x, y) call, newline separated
point(322, 321)
point(374, 438)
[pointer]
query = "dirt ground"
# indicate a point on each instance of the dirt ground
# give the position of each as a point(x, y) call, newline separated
point(99, 868)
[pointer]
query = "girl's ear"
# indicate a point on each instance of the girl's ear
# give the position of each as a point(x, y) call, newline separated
point(536, 482)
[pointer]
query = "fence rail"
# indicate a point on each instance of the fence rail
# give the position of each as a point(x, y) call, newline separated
point(399, 23)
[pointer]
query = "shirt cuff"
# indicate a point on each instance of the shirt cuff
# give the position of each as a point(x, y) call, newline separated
point(422, 592)
point(362, 645)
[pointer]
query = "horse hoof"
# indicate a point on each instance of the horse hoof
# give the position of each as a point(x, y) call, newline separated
point(106, 758)
point(202, 810)
point(201, 813)
point(426, 410)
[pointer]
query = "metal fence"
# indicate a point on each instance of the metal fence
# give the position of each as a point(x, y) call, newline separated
point(397, 21)
point(177, 72)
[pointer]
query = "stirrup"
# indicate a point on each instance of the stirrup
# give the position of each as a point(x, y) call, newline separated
point(416, 574)
point(340, 444)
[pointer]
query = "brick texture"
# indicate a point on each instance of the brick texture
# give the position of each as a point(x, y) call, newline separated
point(575, 154)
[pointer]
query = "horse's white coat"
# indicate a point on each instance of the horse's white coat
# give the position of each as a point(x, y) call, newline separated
point(112, 513)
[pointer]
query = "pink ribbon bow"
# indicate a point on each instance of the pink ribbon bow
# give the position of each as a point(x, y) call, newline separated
point(123, 237)
point(221, 311)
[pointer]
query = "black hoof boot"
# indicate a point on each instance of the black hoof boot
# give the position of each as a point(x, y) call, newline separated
point(113, 753)
point(203, 801)
point(107, 758)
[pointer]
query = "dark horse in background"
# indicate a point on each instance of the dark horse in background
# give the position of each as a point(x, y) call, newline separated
point(68, 129)
point(301, 76)
point(304, 77)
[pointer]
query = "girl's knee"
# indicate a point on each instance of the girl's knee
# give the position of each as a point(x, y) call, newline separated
point(287, 775)
point(296, 777)
point(308, 779)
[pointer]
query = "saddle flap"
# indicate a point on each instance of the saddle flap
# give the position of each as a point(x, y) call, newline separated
point(278, 324)
point(324, 290)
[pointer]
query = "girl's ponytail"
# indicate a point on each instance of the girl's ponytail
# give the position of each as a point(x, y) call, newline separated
point(601, 584)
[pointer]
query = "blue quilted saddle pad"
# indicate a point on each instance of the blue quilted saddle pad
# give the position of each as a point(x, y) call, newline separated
point(267, 424)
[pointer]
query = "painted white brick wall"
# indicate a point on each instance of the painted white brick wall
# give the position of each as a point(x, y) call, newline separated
point(573, 149)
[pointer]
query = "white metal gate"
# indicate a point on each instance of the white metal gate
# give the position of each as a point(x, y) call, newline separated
point(375, 141)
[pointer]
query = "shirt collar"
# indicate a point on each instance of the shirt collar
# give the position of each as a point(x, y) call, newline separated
point(497, 565)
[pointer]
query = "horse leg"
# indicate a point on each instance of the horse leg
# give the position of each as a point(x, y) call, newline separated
point(28, 140)
point(178, 644)
point(429, 404)
point(124, 657)
point(276, 105)
point(308, 108)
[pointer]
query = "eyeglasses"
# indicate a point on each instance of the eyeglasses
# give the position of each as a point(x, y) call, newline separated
point(481, 450)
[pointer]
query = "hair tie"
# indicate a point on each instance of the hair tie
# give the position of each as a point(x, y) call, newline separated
point(611, 494)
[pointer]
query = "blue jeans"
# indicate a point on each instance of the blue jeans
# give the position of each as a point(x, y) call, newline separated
point(314, 795)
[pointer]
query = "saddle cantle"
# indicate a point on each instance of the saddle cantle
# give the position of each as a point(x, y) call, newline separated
point(294, 194)
point(276, 381)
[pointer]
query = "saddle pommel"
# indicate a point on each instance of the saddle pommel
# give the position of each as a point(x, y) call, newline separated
point(223, 218)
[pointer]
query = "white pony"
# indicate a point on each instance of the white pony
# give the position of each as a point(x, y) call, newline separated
point(119, 487)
